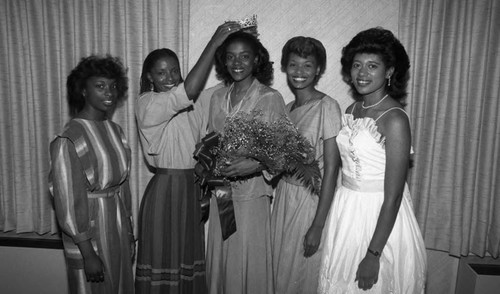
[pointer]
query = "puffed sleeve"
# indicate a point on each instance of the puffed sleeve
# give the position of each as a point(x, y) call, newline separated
point(332, 118)
point(67, 182)
point(155, 110)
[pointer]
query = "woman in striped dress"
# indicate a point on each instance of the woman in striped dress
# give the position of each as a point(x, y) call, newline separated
point(90, 164)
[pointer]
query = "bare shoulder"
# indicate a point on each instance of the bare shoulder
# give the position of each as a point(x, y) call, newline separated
point(394, 122)
point(350, 108)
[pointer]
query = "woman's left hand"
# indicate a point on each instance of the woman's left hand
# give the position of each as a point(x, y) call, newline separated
point(367, 274)
point(312, 240)
point(240, 167)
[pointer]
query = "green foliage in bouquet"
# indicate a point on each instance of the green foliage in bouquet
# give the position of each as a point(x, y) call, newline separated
point(278, 145)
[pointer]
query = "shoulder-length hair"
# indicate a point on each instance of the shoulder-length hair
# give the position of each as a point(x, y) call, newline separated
point(262, 71)
point(94, 66)
point(383, 43)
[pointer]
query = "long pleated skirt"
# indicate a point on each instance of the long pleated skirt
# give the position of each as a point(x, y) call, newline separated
point(171, 246)
point(293, 214)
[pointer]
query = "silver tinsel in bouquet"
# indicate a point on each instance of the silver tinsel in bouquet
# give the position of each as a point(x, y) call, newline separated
point(278, 145)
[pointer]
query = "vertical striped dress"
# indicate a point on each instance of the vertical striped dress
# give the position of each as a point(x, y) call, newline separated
point(90, 164)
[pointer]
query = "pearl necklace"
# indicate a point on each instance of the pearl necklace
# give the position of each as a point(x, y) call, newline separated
point(230, 110)
point(380, 101)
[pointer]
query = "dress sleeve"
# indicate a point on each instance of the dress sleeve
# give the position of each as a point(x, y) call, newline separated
point(331, 116)
point(126, 196)
point(272, 106)
point(67, 181)
point(202, 107)
point(154, 112)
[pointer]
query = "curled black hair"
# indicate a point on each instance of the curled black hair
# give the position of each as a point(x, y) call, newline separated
point(149, 62)
point(94, 66)
point(383, 43)
point(262, 71)
point(304, 47)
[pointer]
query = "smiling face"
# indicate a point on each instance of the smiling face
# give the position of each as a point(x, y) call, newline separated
point(165, 74)
point(369, 73)
point(240, 61)
point(301, 72)
point(100, 96)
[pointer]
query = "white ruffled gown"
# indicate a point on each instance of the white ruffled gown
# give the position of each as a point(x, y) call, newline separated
point(353, 217)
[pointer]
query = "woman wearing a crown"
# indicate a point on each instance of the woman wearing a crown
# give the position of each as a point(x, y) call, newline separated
point(242, 262)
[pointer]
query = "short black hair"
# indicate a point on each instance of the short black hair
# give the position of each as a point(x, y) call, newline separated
point(304, 47)
point(383, 43)
point(105, 66)
point(262, 71)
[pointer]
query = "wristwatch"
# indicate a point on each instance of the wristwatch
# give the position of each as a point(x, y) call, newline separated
point(373, 252)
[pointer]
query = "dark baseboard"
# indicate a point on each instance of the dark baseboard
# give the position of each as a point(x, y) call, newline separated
point(31, 240)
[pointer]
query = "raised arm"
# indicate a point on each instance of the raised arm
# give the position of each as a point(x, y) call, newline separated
point(197, 76)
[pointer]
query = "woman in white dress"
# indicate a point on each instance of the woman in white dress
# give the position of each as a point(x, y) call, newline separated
point(373, 243)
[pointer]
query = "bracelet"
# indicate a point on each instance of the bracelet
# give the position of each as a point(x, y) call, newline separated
point(374, 253)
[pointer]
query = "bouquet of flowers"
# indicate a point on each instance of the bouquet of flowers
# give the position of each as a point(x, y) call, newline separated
point(277, 145)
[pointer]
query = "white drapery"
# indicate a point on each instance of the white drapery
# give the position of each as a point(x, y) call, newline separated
point(454, 102)
point(40, 42)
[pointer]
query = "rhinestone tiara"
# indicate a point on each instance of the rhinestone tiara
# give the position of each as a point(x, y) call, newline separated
point(248, 22)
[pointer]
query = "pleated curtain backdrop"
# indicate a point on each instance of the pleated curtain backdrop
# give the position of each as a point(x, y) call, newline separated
point(40, 42)
point(454, 47)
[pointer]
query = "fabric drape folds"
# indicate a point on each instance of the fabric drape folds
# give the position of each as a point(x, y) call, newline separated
point(454, 102)
point(41, 41)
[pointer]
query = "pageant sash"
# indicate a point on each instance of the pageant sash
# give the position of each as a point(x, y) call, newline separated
point(215, 185)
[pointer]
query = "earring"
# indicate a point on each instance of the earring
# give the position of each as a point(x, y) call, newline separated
point(151, 87)
point(389, 81)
